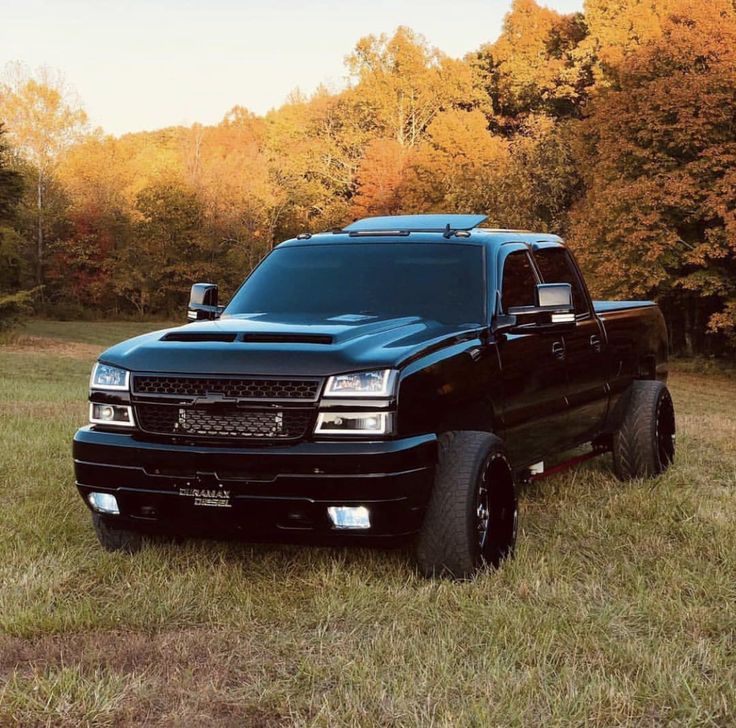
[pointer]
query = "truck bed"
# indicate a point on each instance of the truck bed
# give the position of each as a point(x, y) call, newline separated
point(610, 306)
point(637, 342)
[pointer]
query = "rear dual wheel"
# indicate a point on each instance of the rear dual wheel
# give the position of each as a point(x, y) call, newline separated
point(471, 518)
point(644, 445)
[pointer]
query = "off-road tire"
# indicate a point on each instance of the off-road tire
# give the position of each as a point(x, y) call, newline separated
point(644, 445)
point(449, 542)
point(116, 539)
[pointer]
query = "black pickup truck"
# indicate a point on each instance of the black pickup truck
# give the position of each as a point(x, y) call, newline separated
point(397, 378)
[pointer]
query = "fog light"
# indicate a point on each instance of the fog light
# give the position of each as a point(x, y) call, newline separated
point(104, 503)
point(349, 516)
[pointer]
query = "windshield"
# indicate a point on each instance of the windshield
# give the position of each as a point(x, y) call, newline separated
point(435, 281)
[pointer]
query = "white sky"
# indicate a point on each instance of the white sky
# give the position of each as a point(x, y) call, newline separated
point(145, 64)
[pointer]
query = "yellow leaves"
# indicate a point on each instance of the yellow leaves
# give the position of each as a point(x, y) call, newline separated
point(94, 172)
point(535, 59)
point(456, 166)
point(405, 83)
point(624, 33)
point(464, 138)
point(42, 118)
point(725, 320)
point(619, 26)
point(460, 165)
point(405, 53)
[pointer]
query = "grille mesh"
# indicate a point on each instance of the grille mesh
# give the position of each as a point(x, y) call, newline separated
point(290, 389)
point(233, 423)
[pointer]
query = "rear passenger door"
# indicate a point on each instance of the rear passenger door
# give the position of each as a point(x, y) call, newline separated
point(533, 376)
point(585, 360)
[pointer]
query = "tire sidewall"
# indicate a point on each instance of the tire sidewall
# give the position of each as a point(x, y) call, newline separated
point(493, 457)
point(664, 400)
point(449, 540)
point(636, 447)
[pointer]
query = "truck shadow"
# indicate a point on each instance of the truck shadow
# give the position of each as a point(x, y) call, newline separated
point(297, 555)
point(302, 554)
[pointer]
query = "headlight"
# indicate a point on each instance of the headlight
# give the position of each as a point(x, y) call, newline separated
point(106, 377)
point(379, 383)
point(354, 423)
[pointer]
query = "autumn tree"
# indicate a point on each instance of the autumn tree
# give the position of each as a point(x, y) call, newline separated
point(542, 180)
point(228, 170)
point(97, 180)
point(538, 64)
point(43, 120)
point(459, 166)
point(316, 147)
point(658, 217)
point(618, 28)
point(168, 250)
point(380, 178)
point(403, 83)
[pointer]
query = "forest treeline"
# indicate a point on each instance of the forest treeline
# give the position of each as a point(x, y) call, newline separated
point(615, 127)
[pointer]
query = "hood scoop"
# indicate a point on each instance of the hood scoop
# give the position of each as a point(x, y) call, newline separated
point(252, 338)
point(276, 338)
point(198, 336)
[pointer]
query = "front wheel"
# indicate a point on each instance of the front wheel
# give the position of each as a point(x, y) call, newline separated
point(471, 518)
point(644, 445)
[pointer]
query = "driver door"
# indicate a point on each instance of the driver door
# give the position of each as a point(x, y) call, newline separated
point(533, 374)
point(585, 348)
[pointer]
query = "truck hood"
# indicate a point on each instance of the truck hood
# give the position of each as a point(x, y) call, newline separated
point(265, 344)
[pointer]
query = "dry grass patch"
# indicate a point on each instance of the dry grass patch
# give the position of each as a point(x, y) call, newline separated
point(52, 347)
point(184, 677)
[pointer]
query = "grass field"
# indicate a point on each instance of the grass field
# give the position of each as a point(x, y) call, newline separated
point(619, 609)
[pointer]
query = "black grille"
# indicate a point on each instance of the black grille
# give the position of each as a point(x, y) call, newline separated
point(238, 388)
point(276, 424)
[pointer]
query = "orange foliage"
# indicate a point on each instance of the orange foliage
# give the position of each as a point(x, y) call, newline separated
point(379, 179)
point(614, 126)
point(659, 214)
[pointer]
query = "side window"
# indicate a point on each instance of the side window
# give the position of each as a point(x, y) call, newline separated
point(556, 266)
point(519, 283)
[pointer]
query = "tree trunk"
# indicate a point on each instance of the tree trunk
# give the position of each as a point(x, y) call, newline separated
point(697, 332)
point(688, 328)
point(39, 232)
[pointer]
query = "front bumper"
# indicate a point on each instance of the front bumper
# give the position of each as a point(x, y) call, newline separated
point(272, 491)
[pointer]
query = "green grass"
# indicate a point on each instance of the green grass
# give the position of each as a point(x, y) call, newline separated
point(618, 609)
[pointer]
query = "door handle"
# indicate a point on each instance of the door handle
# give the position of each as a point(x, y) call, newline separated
point(558, 350)
point(595, 343)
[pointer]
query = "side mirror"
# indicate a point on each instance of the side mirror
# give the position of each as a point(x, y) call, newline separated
point(554, 312)
point(203, 302)
point(556, 297)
